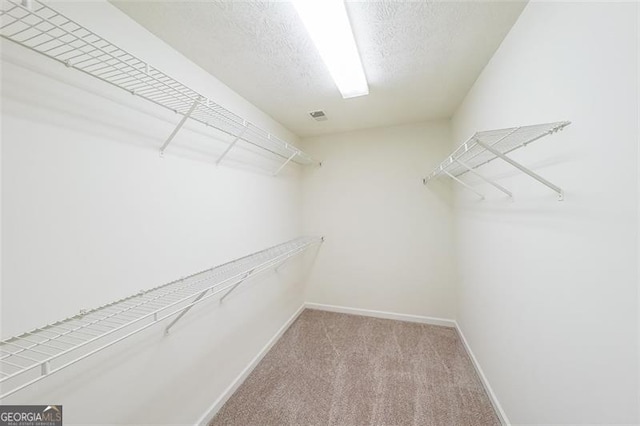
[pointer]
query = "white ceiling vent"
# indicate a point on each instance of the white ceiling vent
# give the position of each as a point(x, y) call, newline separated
point(318, 115)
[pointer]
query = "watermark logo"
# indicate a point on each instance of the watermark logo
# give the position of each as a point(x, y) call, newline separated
point(30, 415)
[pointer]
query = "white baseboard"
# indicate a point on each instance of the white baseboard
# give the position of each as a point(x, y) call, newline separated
point(381, 314)
point(487, 387)
point(217, 405)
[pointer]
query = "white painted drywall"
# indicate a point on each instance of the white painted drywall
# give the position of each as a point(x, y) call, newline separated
point(91, 213)
point(638, 195)
point(638, 199)
point(548, 290)
point(388, 240)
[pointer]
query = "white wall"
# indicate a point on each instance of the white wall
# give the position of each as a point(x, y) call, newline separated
point(91, 213)
point(548, 290)
point(388, 240)
point(638, 199)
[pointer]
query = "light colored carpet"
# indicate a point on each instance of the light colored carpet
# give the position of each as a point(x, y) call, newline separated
point(337, 369)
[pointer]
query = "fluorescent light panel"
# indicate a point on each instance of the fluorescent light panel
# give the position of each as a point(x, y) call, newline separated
point(328, 25)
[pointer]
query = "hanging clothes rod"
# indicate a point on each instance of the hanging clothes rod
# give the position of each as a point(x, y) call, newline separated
point(32, 356)
point(484, 147)
point(40, 28)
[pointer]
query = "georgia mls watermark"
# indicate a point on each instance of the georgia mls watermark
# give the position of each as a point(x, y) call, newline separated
point(30, 415)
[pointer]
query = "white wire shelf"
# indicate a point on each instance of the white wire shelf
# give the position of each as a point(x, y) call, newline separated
point(484, 147)
point(39, 27)
point(39, 353)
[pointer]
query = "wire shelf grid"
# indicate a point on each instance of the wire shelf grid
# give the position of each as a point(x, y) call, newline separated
point(472, 154)
point(40, 28)
point(34, 355)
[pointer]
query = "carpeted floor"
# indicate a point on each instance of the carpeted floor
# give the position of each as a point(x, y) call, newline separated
point(337, 369)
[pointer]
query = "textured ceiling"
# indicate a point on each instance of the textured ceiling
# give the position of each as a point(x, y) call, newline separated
point(420, 57)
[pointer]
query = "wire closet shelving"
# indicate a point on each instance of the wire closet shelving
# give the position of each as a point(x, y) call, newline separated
point(38, 27)
point(484, 147)
point(32, 356)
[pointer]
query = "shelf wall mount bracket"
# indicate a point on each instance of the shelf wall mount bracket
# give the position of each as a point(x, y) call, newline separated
point(233, 287)
point(179, 126)
point(466, 185)
point(285, 163)
point(183, 313)
point(485, 179)
point(276, 268)
point(237, 138)
point(281, 264)
point(523, 169)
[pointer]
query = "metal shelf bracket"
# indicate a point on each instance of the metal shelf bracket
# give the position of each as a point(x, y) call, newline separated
point(179, 126)
point(233, 287)
point(184, 311)
point(485, 179)
point(237, 138)
point(466, 185)
point(523, 169)
point(285, 163)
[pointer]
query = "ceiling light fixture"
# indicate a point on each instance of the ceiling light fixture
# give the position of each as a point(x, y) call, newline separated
point(328, 25)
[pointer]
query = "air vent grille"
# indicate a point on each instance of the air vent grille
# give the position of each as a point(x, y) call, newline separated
point(318, 115)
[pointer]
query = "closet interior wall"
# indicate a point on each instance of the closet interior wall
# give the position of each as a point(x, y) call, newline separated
point(547, 294)
point(91, 213)
point(388, 243)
